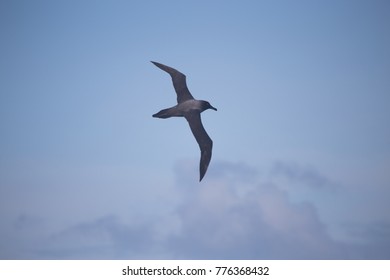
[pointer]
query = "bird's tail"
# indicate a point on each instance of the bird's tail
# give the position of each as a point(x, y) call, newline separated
point(164, 114)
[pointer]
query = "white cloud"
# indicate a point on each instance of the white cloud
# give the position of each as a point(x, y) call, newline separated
point(224, 218)
point(235, 213)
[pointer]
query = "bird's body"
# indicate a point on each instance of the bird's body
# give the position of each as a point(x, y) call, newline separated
point(181, 109)
point(189, 108)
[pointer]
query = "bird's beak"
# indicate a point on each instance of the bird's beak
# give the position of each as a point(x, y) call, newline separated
point(215, 109)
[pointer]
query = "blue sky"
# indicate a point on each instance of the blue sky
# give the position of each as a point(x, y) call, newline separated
point(301, 159)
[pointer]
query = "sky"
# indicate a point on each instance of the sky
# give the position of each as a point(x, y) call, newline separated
point(301, 156)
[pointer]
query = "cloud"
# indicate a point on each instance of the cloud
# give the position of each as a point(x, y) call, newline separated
point(301, 175)
point(224, 219)
point(241, 213)
point(237, 212)
point(369, 240)
point(106, 237)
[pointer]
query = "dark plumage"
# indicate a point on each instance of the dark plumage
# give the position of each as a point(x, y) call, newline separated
point(189, 108)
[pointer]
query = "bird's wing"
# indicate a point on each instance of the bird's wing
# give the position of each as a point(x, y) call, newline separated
point(179, 82)
point(204, 141)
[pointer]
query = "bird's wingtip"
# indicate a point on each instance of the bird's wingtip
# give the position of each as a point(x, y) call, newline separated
point(159, 65)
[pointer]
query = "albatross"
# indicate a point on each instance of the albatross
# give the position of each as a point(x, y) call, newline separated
point(189, 108)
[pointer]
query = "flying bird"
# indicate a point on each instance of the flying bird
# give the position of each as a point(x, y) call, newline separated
point(189, 108)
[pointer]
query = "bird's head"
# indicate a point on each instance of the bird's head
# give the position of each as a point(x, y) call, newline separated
point(206, 105)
